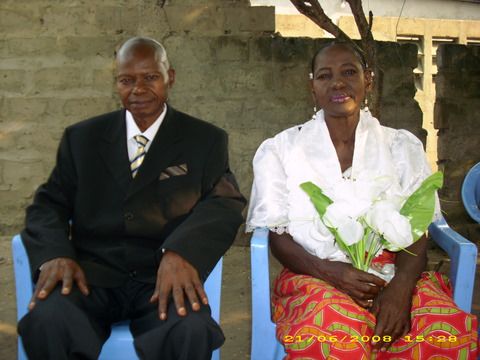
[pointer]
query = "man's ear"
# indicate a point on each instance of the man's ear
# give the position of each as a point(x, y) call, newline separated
point(171, 77)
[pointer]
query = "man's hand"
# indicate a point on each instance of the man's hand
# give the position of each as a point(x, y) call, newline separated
point(392, 311)
point(361, 286)
point(63, 270)
point(175, 275)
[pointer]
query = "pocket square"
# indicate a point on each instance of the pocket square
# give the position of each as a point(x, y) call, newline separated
point(175, 170)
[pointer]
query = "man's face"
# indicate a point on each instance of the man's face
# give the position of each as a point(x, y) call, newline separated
point(141, 85)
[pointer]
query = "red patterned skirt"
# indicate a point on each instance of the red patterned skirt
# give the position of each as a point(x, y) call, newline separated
point(317, 321)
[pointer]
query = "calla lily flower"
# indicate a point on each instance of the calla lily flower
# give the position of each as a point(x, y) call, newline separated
point(385, 219)
point(337, 216)
point(366, 214)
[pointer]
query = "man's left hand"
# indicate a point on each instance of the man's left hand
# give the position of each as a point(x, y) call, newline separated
point(391, 308)
point(177, 276)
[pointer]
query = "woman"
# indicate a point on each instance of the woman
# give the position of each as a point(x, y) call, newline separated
point(323, 307)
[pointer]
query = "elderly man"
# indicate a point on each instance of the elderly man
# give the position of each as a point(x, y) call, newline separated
point(139, 208)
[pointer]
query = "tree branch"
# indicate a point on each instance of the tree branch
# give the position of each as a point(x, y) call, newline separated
point(360, 19)
point(370, 20)
point(313, 10)
point(364, 28)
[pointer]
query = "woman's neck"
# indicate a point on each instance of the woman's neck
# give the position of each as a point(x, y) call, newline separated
point(342, 129)
point(342, 133)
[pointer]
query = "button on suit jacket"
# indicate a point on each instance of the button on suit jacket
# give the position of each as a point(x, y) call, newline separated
point(183, 199)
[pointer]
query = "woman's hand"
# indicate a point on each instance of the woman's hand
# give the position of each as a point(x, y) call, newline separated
point(361, 286)
point(393, 305)
point(392, 311)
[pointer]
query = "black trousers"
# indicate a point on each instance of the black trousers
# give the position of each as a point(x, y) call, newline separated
point(76, 326)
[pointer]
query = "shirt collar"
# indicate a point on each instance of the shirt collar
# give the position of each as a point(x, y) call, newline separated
point(132, 128)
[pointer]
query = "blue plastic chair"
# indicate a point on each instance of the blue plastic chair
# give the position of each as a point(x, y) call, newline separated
point(119, 345)
point(462, 253)
point(471, 192)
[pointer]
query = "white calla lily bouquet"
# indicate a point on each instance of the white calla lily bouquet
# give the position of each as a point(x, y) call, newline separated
point(364, 218)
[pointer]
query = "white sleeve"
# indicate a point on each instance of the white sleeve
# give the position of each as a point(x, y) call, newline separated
point(411, 164)
point(268, 200)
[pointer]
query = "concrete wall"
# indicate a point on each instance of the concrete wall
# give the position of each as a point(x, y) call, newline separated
point(56, 63)
point(458, 124)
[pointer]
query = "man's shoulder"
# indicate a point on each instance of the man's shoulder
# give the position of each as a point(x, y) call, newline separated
point(195, 125)
point(96, 122)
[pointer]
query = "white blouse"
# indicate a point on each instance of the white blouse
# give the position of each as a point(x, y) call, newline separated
point(306, 153)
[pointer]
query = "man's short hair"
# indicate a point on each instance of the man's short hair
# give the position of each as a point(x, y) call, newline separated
point(160, 52)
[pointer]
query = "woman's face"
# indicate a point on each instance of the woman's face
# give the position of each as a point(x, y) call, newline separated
point(339, 81)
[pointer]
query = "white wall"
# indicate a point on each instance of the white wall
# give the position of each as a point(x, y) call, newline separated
point(433, 9)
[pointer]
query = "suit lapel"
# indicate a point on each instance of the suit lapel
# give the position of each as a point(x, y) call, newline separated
point(162, 151)
point(113, 150)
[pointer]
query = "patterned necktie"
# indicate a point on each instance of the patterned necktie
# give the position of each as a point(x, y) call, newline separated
point(139, 154)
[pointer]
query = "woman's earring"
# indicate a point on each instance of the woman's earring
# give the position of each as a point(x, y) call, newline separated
point(365, 105)
point(314, 112)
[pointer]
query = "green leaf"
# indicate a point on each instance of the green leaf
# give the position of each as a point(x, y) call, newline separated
point(318, 198)
point(420, 206)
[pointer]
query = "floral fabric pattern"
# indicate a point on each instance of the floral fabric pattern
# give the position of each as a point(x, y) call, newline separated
point(316, 321)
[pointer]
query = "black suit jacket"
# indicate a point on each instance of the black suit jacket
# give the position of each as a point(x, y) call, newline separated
point(183, 198)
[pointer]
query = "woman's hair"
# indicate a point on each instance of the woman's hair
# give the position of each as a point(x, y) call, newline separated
point(357, 51)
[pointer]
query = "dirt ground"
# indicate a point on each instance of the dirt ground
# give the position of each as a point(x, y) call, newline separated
point(235, 309)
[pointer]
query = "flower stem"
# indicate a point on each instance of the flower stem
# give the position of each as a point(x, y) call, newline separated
point(373, 249)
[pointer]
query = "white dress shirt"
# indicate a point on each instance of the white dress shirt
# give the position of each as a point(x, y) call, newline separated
point(133, 130)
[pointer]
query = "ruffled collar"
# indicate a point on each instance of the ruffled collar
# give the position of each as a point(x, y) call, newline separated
point(371, 158)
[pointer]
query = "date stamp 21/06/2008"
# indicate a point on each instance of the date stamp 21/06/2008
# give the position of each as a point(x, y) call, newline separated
point(289, 339)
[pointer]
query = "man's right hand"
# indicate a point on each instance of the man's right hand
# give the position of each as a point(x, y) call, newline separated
point(63, 270)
